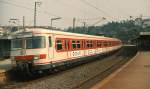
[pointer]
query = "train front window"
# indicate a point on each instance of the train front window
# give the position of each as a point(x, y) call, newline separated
point(16, 44)
point(35, 42)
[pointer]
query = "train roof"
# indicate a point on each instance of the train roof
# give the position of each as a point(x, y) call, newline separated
point(49, 31)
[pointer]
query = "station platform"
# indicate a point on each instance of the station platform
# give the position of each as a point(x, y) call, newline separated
point(5, 65)
point(133, 75)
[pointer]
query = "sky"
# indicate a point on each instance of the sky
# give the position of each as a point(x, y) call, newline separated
point(89, 11)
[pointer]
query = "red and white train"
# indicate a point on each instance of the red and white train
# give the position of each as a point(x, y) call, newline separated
point(39, 49)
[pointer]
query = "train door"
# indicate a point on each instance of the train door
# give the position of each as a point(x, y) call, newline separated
point(67, 46)
point(23, 50)
point(50, 48)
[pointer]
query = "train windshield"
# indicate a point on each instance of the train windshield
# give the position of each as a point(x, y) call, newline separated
point(16, 44)
point(35, 42)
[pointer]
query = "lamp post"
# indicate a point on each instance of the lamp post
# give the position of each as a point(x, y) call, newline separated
point(52, 19)
point(14, 23)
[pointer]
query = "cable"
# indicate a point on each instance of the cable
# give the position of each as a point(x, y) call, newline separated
point(90, 19)
point(99, 21)
point(78, 19)
point(98, 9)
point(48, 13)
point(118, 9)
point(20, 2)
point(77, 8)
point(31, 9)
point(16, 5)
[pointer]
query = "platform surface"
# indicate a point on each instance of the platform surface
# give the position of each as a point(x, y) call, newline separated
point(135, 75)
point(5, 65)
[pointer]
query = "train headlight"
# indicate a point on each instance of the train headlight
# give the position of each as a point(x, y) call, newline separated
point(36, 57)
point(40, 56)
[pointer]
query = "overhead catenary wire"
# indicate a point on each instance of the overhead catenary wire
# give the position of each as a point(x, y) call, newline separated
point(28, 8)
point(16, 5)
point(81, 10)
point(46, 12)
point(81, 20)
point(96, 8)
point(102, 19)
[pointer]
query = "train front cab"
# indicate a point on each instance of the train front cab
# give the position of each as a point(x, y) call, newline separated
point(31, 53)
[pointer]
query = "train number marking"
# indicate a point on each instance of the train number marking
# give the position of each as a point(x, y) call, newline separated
point(75, 53)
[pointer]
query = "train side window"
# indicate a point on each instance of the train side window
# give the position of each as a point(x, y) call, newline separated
point(110, 44)
point(89, 44)
point(73, 44)
point(78, 44)
point(105, 44)
point(97, 43)
point(50, 42)
point(59, 44)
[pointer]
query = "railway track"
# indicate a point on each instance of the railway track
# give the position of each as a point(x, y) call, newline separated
point(94, 79)
point(80, 77)
point(86, 84)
